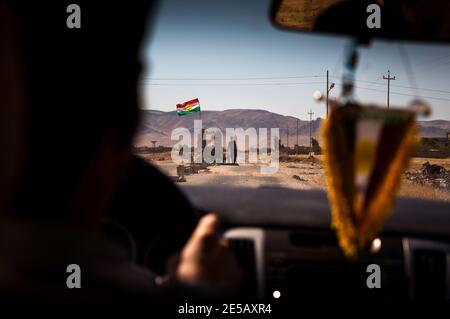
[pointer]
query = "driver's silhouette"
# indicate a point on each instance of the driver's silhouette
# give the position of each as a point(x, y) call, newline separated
point(68, 116)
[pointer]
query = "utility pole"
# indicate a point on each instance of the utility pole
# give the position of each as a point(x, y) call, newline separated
point(329, 87)
point(327, 91)
point(297, 133)
point(287, 137)
point(310, 113)
point(389, 79)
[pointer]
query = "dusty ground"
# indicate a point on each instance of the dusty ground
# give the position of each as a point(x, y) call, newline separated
point(296, 172)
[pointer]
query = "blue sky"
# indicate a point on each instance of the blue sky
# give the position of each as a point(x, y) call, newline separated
point(206, 48)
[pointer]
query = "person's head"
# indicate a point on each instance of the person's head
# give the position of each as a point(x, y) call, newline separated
point(82, 101)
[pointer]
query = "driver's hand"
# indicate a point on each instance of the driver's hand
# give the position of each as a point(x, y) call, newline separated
point(207, 260)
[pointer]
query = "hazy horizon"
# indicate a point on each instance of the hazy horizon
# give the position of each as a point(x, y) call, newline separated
point(196, 115)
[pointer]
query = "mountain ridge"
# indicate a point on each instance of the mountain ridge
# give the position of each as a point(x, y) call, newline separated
point(157, 125)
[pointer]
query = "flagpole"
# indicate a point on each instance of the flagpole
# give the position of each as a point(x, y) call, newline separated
point(201, 146)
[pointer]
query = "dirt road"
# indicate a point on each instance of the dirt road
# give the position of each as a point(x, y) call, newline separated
point(298, 172)
point(249, 175)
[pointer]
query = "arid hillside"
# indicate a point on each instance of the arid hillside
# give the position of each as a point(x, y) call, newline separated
point(158, 125)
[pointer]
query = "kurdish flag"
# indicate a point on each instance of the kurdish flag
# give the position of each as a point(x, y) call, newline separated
point(188, 107)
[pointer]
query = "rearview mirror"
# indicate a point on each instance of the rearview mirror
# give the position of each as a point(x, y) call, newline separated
point(418, 20)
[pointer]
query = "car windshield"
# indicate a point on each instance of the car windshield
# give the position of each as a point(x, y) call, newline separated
point(223, 66)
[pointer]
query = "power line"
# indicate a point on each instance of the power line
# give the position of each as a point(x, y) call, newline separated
point(398, 93)
point(312, 82)
point(278, 83)
point(229, 84)
point(298, 83)
point(410, 87)
point(235, 79)
point(401, 86)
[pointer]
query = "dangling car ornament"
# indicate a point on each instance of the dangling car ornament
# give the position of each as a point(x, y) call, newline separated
point(367, 149)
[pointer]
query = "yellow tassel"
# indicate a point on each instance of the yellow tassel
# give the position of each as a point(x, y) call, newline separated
point(352, 238)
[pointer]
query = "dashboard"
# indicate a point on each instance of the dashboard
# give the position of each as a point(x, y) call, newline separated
point(284, 244)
